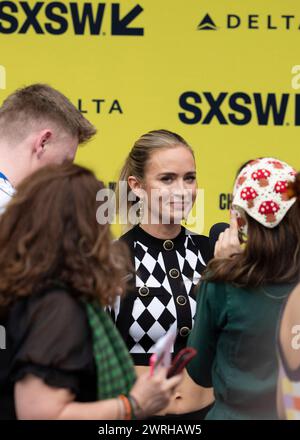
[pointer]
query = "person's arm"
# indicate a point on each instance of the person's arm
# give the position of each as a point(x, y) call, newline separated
point(35, 400)
point(279, 398)
point(289, 346)
point(289, 334)
point(209, 319)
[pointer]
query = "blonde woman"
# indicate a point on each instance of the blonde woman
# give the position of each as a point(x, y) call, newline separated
point(160, 172)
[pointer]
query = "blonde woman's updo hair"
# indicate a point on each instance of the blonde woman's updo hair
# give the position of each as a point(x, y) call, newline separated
point(138, 158)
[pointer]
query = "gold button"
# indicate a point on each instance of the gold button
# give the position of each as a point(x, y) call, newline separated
point(184, 331)
point(174, 273)
point(181, 300)
point(168, 245)
point(144, 291)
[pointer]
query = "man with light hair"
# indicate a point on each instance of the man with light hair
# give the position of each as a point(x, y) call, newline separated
point(38, 126)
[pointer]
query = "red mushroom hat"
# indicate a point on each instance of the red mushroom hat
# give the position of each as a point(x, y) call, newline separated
point(261, 190)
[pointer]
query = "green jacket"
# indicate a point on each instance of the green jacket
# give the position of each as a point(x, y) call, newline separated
point(235, 335)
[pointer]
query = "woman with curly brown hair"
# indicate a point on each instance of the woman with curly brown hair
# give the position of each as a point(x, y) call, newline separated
point(64, 358)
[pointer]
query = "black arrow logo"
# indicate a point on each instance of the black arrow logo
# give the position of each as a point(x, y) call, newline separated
point(119, 26)
point(207, 24)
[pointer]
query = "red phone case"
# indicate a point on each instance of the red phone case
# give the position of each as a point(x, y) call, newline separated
point(181, 360)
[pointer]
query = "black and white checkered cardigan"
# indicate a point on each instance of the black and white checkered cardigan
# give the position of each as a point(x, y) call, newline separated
point(162, 290)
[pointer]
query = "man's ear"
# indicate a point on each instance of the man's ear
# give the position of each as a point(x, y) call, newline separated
point(41, 142)
point(135, 186)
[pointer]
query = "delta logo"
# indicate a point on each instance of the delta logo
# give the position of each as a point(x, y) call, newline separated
point(239, 108)
point(80, 18)
point(251, 21)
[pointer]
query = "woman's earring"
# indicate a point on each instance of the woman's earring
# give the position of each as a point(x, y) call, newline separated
point(141, 210)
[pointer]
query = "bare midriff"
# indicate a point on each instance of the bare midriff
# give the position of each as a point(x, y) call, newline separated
point(189, 396)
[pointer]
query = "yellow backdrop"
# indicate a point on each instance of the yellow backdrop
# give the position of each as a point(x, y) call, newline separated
point(216, 72)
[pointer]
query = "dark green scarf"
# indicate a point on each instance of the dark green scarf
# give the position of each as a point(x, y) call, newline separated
point(115, 370)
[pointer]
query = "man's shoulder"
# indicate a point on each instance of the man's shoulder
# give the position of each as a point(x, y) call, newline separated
point(6, 191)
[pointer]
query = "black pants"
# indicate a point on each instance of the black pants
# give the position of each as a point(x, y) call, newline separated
point(195, 415)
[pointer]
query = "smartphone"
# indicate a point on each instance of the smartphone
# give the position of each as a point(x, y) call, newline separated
point(181, 360)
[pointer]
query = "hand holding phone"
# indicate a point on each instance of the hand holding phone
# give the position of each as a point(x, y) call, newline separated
point(181, 360)
point(163, 348)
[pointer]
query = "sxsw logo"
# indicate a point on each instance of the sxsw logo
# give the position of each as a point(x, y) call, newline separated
point(239, 108)
point(57, 18)
point(251, 21)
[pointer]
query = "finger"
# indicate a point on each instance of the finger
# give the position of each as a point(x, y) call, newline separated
point(234, 229)
point(161, 372)
point(221, 237)
point(233, 222)
point(174, 381)
point(217, 249)
point(226, 238)
point(220, 244)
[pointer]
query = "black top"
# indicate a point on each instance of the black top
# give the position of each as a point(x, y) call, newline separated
point(162, 291)
point(48, 335)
